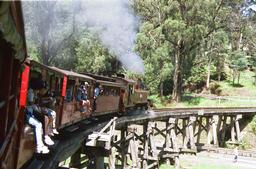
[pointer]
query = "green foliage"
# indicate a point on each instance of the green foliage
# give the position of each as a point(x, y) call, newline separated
point(197, 78)
point(244, 145)
point(215, 88)
point(157, 102)
point(92, 56)
point(238, 61)
point(171, 31)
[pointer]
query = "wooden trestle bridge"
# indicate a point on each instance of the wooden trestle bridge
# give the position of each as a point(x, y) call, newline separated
point(145, 138)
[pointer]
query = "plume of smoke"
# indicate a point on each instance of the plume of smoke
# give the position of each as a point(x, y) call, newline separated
point(55, 21)
point(117, 27)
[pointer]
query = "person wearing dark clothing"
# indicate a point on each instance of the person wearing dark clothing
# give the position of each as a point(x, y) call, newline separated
point(82, 97)
point(96, 94)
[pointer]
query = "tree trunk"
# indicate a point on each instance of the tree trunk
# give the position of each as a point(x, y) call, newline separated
point(177, 77)
point(238, 78)
point(44, 52)
point(208, 74)
point(161, 90)
point(234, 76)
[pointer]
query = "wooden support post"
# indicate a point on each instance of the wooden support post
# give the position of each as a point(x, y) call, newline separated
point(145, 155)
point(223, 133)
point(177, 162)
point(133, 148)
point(99, 162)
point(232, 129)
point(208, 125)
point(123, 153)
point(191, 132)
point(184, 129)
point(112, 158)
point(170, 140)
point(150, 152)
point(214, 129)
point(199, 129)
point(238, 133)
point(219, 125)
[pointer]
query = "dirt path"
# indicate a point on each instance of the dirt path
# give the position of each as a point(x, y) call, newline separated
point(216, 161)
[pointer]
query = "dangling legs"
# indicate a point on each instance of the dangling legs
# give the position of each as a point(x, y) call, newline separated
point(52, 125)
point(37, 126)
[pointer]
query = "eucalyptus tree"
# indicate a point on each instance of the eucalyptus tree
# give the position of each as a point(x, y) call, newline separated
point(216, 51)
point(91, 55)
point(183, 26)
point(50, 28)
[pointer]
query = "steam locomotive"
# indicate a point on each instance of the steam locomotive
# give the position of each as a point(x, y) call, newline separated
point(16, 72)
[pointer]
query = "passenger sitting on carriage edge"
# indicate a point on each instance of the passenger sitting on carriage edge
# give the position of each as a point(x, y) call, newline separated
point(39, 85)
point(48, 102)
point(30, 118)
point(97, 91)
point(82, 97)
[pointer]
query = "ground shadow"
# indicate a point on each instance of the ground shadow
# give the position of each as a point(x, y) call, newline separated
point(191, 100)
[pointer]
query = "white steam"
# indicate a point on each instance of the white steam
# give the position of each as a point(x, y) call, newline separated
point(117, 27)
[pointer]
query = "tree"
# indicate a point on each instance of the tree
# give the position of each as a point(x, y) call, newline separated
point(50, 26)
point(184, 25)
point(238, 63)
point(92, 56)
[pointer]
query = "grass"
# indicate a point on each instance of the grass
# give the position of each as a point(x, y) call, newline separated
point(239, 95)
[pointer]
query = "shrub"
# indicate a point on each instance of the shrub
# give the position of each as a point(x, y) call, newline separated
point(215, 88)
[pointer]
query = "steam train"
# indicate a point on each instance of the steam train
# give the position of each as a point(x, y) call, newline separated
point(16, 72)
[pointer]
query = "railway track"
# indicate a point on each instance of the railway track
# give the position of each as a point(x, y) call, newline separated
point(73, 137)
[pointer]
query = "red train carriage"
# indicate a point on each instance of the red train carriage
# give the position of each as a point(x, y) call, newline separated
point(64, 85)
point(54, 81)
point(71, 106)
point(12, 55)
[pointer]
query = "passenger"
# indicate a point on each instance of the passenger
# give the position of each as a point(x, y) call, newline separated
point(39, 85)
point(82, 97)
point(47, 102)
point(30, 114)
point(140, 84)
point(98, 89)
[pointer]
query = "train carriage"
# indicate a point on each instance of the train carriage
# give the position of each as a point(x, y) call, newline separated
point(54, 82)
point(133, 97)
point(71, 106)
point(108, 101)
